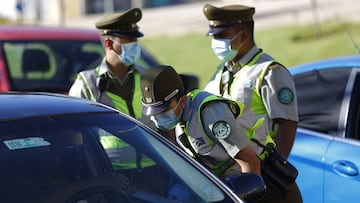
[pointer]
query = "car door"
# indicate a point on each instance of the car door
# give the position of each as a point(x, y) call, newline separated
point(341, 166)
point(324, 153)
point(307, 156)
point(342, 160)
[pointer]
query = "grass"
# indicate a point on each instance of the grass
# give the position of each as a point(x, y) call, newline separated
point(191, 53)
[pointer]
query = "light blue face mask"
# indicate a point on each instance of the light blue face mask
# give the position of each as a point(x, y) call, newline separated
point(222, 48)
point(130, 52)
point(166, 120)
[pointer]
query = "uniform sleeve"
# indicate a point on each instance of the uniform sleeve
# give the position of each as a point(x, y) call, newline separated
point(279, 94)
point(213, 85)
point(220, 123)
point(78, 89)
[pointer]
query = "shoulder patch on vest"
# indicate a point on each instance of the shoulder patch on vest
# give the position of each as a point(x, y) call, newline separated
point(275, 65)
point(285, 95)
point(235, 109)
point(221, 129)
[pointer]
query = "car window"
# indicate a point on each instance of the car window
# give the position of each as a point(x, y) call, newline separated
point(353, 116)
point(155, 173)
point(94, 157)
point(48, 65)
point(320, 94)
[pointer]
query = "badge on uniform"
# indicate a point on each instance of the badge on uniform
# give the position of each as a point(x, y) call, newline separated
point(285, 95)
point(221, 129)
point(248, 83)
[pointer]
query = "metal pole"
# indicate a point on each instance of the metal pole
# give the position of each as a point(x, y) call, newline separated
point(316, 18)
point(62, 13)
point(37, 12)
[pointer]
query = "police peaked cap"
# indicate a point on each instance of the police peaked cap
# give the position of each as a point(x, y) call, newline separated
point(159, 85)
point(121, 24)
point(220, 18)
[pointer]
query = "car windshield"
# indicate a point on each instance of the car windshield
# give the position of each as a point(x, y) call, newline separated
point(48, 65)
point(60, 157)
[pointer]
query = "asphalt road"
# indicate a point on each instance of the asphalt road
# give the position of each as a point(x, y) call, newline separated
point(269, 13)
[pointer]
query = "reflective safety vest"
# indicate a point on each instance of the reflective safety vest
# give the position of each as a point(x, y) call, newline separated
point(246, 87)
point(112, 144)
point(122, 155)
point(111, 99)
point(194, 127)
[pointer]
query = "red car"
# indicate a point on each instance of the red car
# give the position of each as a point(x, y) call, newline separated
point(46, 59)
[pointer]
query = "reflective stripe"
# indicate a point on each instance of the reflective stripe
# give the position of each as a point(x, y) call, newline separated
point(221, 168)
point(246, 88)
point(112, 99)
point(122, 155)
point(199, 99)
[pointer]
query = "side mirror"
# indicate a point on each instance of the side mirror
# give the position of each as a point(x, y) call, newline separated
point(249, 186)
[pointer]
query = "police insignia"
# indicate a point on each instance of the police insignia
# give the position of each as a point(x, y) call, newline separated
point(221, 129)
point(285, 95)
point(248, 84)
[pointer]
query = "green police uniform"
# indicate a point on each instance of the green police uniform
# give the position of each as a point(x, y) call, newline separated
point(257, 80)
point(121, 95)
point(101, 85)
point(207, 128)
point(262, 85)
point(212, 131)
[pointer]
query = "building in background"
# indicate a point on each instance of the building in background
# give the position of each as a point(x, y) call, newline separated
point(39, 11)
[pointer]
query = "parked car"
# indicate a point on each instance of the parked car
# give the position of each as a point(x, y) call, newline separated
point(35, 58)
point(57, 148)
point(327, 145)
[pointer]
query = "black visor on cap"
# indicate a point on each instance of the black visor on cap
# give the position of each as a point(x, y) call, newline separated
point(131, 34)
point(215, 30)
point(151, 110)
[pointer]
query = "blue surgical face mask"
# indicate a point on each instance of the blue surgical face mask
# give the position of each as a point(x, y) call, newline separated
point(166, 120)
point(222, 48)
point(130, 52)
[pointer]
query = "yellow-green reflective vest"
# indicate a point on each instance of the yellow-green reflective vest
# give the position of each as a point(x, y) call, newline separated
point(250, 95)
point(111, 99)
point(112, 144)
point(198, 101)
point(122, 155)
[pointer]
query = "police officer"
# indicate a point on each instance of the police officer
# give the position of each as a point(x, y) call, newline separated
point(205, 123)
point(249, 75)
point(116, 81)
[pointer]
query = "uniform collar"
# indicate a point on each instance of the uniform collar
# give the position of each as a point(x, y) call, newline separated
point(248, 56)
point(235, 67)
point(186, 113)
point(104, 68)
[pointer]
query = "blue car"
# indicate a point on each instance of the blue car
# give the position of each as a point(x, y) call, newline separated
point(327, 146)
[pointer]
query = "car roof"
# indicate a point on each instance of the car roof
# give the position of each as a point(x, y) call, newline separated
point(12, 32)
point(19, 105)
point(344, 61)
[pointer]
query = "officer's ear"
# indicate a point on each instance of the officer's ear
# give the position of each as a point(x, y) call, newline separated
point(243, 35)
point(182, 101)
point(245, 32)
point(108, 43)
